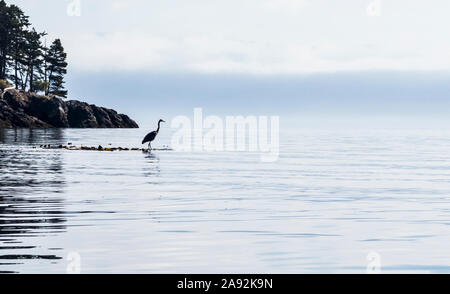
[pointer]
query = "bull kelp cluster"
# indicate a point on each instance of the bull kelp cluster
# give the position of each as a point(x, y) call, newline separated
point(99, 148)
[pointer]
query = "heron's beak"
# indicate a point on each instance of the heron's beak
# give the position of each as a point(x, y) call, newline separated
point(163, 121)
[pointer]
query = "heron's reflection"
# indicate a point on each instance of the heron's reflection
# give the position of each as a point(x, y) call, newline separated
point(152, 168)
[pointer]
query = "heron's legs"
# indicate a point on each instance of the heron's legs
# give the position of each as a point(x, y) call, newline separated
point(149, 146)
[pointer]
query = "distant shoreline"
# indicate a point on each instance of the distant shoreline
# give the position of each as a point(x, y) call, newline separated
point(20, 109)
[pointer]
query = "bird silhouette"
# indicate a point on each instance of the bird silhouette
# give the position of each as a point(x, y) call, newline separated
point(151, 136)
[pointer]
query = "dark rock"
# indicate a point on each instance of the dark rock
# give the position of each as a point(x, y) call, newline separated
point(106, 118)
point(80, 115)
point(49, 109)
point(102, 116)
point(10, 118)
point(19, 109)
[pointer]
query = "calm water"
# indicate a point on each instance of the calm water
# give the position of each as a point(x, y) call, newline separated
point(332, 198)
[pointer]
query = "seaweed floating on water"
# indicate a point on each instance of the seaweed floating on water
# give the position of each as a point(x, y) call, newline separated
point(71, 147)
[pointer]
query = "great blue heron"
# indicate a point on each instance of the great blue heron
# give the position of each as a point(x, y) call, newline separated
point(151, 136)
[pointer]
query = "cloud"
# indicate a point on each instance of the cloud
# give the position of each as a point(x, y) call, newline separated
point(119, 50)
point(248, 36)
point(211, 54)
point(122, 5)
point(137, 51)
point(286, 5)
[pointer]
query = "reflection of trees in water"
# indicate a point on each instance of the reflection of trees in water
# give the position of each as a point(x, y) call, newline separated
point(31, 185)
point(31, 136)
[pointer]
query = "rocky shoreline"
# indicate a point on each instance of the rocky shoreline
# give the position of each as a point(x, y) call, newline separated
point(20, 109)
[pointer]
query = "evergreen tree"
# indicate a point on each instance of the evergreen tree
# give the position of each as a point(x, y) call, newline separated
point(5, 24)
point(24, 61)
point(56, 68)
point(33, 58)
point(18, 45)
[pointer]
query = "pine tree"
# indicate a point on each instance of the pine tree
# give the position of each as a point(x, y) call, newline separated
point(18, 44)
point(24, 61)
point(5, 21)
point(33, 58)
point(56, 69)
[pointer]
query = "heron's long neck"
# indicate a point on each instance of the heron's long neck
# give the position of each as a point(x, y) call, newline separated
point(159, 125)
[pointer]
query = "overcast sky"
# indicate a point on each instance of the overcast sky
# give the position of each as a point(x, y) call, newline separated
point(297, 58)
point(248, 36)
